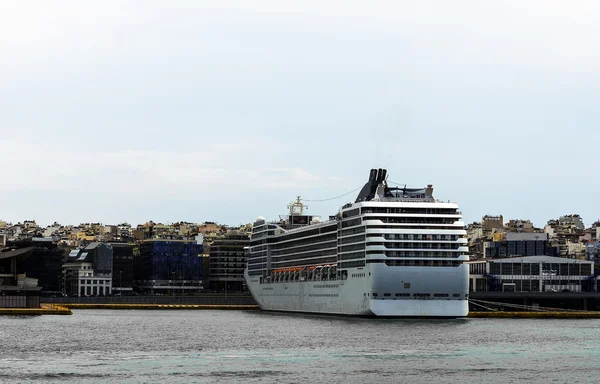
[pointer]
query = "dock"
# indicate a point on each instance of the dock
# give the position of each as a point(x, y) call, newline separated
point(45, 309)
point(162, 306)
point(535, 315)
point(472, 314)
point(66, 309)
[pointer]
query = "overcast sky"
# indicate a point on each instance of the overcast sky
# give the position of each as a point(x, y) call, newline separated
point(222, 111)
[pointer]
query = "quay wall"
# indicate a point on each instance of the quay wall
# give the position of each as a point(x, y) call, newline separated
point(223, 300)
point(535, 315)
point(588, 301)
point(583, 301)
point(159, 306)
point(44, 309)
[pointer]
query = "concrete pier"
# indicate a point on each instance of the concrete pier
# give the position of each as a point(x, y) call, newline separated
point(536, 315)
point(45, 309)
point(160, 306)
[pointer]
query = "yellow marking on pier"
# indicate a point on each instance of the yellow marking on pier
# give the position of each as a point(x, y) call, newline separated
point(159, 306)
point(45, 309)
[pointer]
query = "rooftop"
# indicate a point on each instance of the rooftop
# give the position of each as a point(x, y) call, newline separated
point(540, 259)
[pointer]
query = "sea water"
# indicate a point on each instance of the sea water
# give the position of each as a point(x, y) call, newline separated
point(212, 346)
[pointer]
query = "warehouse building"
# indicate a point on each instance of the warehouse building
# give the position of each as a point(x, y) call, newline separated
point(532, 274)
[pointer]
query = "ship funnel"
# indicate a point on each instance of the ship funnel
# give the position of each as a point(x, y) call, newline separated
point(368, 192)
point(373, 175)
point(429, 190)
point(379, 175)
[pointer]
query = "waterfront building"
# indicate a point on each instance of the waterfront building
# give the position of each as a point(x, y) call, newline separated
point(532, 274)
point(88, 271)
point(45, 262)
point(122, 276)
point(169, 266)
point(16, 289)
point(227, 261)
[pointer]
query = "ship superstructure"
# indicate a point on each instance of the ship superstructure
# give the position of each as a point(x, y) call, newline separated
point(393, 252)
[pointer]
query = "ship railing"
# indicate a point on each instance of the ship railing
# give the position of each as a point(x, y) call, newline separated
point(310, 277)
point(305, 225)
point(277, 222)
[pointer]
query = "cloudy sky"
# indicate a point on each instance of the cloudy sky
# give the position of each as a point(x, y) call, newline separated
point(131, 111)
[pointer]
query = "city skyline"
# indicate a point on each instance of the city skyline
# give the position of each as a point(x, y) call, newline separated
point(193, 111)
point(508, 221)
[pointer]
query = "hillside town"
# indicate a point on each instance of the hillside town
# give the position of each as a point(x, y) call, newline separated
point(95, 259)
point(565, 237)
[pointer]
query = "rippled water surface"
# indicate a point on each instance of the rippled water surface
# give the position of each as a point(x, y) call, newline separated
point(250, 346)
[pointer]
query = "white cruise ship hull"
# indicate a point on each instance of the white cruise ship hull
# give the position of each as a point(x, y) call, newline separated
point(354, 296)
point(394, 252)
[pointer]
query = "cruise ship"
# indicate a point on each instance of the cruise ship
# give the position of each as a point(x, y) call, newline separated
point(394, 252)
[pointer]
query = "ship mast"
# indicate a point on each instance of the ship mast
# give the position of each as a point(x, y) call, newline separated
point(297, 207)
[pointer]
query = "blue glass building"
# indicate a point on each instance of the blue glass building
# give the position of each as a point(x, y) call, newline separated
point(169, 266)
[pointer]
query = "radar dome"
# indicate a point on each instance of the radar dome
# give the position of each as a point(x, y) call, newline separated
point(260, 218)
point(315, 220)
